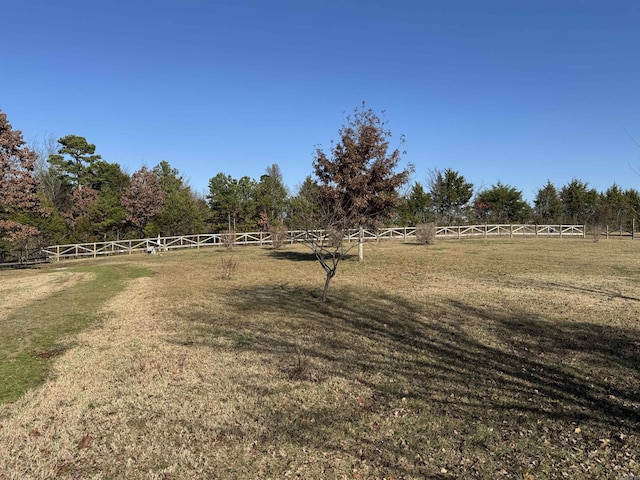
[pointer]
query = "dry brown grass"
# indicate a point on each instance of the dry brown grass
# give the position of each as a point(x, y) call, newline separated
point(18, 289)
point(472, 359)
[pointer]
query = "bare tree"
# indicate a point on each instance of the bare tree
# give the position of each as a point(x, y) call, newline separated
point(52, 184)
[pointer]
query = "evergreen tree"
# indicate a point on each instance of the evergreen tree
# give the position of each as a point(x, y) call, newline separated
point(181, 214)
point(416, 207)
point(547, 205)
point(232, 202)
point(501, 204)
point(579, 202)
point(74, 159)
point(450, 192)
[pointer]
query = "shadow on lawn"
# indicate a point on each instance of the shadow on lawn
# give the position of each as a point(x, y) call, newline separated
point(302, 256)
point(517, 361)
point(607, 293)
point(464, 364)
point(293, 255)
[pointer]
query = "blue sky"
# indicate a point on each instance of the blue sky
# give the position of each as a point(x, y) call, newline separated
point(511, 91)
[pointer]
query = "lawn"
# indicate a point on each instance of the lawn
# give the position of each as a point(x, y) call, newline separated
point(499, 358)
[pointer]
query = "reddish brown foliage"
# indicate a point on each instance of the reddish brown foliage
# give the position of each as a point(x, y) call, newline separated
point(18, 185)
point(358, 184)
point(82, 201)
point(144, 198)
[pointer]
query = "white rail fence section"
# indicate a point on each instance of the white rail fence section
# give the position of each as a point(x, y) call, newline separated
point(152, 245)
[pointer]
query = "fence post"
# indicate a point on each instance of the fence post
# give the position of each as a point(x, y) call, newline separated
point(361, 245)
point(57, 253)
point(95, 247)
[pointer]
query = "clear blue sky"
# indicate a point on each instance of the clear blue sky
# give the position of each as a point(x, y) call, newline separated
point(511, 91)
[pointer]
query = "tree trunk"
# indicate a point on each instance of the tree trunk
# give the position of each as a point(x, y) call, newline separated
point(325, 292)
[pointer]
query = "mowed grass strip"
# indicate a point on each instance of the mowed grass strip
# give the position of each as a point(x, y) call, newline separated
point(41, 329)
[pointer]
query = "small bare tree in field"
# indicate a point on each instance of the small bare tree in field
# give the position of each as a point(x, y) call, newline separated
point(357, 186)
point(228, 267)
point(426, 233)
point(329, 249)
point(278, 236)
point(228, 238)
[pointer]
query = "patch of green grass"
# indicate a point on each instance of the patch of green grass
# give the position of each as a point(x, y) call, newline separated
point(39, 331)
point(632, 274)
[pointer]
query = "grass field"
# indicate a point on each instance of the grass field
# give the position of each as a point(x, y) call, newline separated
point(467, 359)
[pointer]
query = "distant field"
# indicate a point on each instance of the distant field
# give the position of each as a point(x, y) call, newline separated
point(466, 359)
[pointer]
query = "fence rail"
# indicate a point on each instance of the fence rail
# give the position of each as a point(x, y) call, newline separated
point(152, 245)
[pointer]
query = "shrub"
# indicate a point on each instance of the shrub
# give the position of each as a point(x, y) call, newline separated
point(228, 266)
point(300, 370)
point(228, 238)
point(278, 236)
point(426, 233)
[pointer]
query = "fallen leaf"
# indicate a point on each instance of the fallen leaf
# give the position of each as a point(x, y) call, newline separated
point(85, 442)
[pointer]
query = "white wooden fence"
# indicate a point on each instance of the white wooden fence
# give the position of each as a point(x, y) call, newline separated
point(119, 247)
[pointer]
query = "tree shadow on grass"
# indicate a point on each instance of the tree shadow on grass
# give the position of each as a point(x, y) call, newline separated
point(464, 363)
point(607, 293)
point(293, 256)
point(303, 256)
point(450, 351)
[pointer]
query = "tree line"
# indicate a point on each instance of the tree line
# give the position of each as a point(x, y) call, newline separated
point(61, 191)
